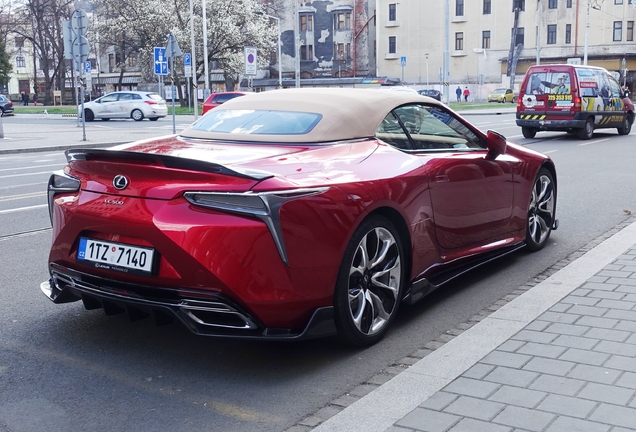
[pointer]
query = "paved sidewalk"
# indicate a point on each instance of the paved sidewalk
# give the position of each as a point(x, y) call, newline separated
point(561, 357)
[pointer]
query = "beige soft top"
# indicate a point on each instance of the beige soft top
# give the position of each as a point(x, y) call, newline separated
point(346, 113)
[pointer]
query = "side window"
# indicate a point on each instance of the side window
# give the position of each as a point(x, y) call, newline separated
point(429, 128)
point(109, 98)
point(135, 96)
point(616, 91)
point(391, 132)
point(125, 97)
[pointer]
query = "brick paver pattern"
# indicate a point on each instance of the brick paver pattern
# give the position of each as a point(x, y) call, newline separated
point(571, 369)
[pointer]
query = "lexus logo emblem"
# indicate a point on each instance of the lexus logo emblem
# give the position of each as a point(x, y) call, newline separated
point(120, 182)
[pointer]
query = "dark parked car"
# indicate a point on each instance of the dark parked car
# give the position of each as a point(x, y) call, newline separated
point(6, 105)
point(435, 94)
point(293, 214)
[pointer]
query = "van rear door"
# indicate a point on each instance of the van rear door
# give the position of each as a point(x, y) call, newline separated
point(548, 94)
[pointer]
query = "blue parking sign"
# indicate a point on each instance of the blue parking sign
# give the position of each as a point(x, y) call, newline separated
point(161, 62)
point(87, 67)
point(187, 60)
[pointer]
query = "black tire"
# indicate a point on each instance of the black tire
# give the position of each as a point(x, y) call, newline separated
point(588, 130)
point(626, 127)
point(367, 294)
point(153, 118)
point(528, 132)
point(88, 115)
point(137, 115)
point(541, 210)
point(105, 119)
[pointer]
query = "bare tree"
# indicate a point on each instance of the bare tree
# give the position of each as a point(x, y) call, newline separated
point(40, 22)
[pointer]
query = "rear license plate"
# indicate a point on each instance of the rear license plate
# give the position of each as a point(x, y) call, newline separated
point(116, 256)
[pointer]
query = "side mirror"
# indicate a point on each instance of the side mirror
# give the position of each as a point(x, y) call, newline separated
point(496, 145)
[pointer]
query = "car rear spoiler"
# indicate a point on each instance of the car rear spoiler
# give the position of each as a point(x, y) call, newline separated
point(167, 161)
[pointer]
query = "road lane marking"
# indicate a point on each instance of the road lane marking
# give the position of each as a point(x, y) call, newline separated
point(549, 151)
point(22, 185)
point(593, 142)
point(23, 196)
point(15, 210)
point(25, 174)
point(61, 164)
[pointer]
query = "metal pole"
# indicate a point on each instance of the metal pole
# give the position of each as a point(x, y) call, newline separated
point(83, 116)
point(76, 95)
point(538, 32)
point(427, 71)
point(172, 91)
point(280, 58)
point(205, 50)
point(297, 48)
point(446, 71)
point(587, 30)
point(193, 89)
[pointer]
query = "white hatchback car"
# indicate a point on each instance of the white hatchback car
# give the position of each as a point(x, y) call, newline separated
point(125, 104)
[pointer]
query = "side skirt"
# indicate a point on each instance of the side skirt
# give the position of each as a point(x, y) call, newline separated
point(422, 287)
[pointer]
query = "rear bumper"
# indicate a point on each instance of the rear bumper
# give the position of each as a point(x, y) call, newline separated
point(204, 313)
point(548, 124)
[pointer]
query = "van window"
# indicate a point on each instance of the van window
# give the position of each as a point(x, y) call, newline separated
point(549, 83)
point(594, 82)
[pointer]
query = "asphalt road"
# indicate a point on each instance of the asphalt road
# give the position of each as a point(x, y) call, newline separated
point(63, 368)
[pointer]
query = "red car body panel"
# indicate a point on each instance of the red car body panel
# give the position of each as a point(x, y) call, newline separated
point(207, 250)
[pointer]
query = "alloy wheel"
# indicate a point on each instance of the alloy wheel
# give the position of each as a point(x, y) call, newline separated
point(541, 210)
point(374, 281)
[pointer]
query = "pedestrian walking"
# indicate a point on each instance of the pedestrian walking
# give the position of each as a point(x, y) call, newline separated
point(25, 98)
point(35, 98)
point(458, 92)
point(466, 94)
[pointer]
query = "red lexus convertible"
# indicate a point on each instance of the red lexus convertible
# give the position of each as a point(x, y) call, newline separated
point(293, 214)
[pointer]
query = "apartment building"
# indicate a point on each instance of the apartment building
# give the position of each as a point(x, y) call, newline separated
point(411, 36)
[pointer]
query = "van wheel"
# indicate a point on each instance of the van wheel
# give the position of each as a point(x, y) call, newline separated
point(528, 132)
point(587, 132)
point(626, 127)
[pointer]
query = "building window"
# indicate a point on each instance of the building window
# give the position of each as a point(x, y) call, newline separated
point(111, 61)
point(306, 23)
point(518, 4)
point(348, 21)
point(132, 60)
point(552, 33)
point(459, 41)
point(20, 62)
point(630, 31)
point(618, 31)
point(520, 36)
point(618, 1)
point(392, 12)
point(485, 39)
point(459, 7)
point(348, 51)
point(307, 52)
point(392, 45)
point(341, 21)
point(568, 4)
point(487, 7)
point(19, 42)
point(568, 33)
point(552, 4)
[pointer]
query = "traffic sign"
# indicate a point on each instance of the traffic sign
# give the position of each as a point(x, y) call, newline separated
point(403, 61)
point(80, 52)
point(250, 61)
point(161, 62)
point(79, 22)
point(187, 65)
point(172, 48)
point(87, 72)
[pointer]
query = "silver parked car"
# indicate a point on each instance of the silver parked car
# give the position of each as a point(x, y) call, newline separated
point(136, 105)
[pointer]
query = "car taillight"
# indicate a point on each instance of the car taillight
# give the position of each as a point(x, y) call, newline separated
point(10, 103)
point(151, 102)
point(576, 105)
point(519, 104)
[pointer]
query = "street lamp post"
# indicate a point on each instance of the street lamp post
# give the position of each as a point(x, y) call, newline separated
point(426, 70)
point(194, 90)
point(206, 92)
point(587, 30)
point(279, 58)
